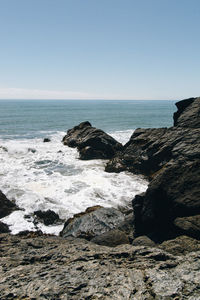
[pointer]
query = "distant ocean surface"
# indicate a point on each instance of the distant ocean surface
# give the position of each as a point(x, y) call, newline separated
point(42, 176)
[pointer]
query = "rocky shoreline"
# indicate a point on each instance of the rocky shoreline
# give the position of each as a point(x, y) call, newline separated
point(149, 252)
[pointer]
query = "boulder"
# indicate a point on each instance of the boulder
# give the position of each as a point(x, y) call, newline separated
point(47, 217)
point(180, 245)
point(111, 238)
point(92, 222)
point(6, 206)
point(189, 226)
point(92, 143)
point(143, 240)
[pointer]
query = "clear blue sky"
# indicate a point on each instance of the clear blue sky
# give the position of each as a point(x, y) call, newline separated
point(110, 49)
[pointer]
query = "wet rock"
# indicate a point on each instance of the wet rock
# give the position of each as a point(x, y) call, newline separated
point(189, 226)
point(4, 228)
point(111, 238)
point(46, 140)
point(93, 222)
point(54, 268)
point(92, 143)
point(6, 206)
point(48, 217)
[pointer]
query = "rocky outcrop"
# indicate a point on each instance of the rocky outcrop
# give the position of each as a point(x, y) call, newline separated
point(170, 157)
point(6, 206)
point(47, 267)
point(93, 222)
point(92, 143)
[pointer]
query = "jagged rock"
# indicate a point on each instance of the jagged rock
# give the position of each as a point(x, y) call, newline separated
point(4, 228)
point(188, 113)
point(92, 143)
point(46, 140)
point(189, 226)
point(47, 217)
point(170, 157)
point(143, 241)
point(55, 268)
point(93, 222)
point(6, 206)
point(111, 238)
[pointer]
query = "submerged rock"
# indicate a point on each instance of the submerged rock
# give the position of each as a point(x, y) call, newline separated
point(93, 222)
point(92, 143)
point(6, 206)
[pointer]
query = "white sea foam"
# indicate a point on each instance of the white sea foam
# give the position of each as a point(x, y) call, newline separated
point(42, 176)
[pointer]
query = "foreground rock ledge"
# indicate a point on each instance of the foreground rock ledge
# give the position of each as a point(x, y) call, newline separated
point(48, 267)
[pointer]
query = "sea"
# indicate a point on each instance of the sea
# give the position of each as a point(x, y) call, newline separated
point(42, 176)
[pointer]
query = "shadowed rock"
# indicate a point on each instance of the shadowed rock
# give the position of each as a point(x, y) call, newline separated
point(92, 143)
point(47, 217)
point(4, 228)
point(6, 206)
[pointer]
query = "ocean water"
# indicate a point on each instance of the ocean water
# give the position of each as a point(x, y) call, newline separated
point(42, 176)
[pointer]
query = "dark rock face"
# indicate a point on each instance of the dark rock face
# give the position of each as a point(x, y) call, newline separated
point(92, 143)
point(188, 114)
point(46, 140)
point(170, 157)
point(6, 206)
point(92, 223)
point(48, 217)
point(4, 228)
point(47, 267)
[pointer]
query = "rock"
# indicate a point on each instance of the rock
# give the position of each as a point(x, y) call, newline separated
point(4, 228)
point(6, 206)
point(170, 158)
point(189, 226)
point(188, 113)
point(92, 143)
point(111, 238)
point(48, 217)
point(46, 140)
point(181, 245)
point(143, 241)
point(47, 267)
point(92, 222)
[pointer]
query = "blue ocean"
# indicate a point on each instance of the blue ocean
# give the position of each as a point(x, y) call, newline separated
point(42, 176)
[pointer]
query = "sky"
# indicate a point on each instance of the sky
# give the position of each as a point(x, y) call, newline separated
point(99, 49)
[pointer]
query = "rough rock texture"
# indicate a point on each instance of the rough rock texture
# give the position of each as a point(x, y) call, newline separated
point(170, 157)
point(6, 206)
point(47, 217)
point(93, 222)
point(188, 115)
point(54, 268)
point(143, 241)
point(92, 143)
